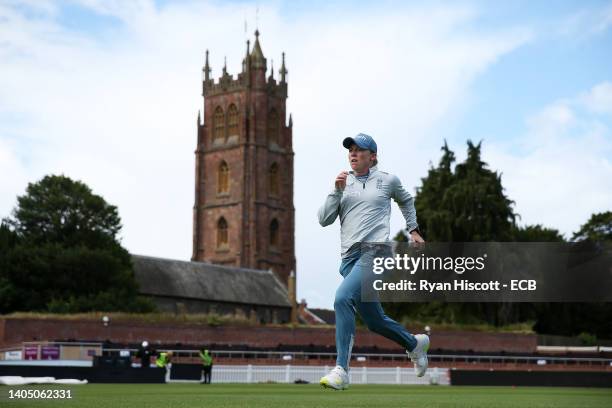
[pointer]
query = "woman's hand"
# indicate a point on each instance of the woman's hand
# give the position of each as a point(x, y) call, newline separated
point(341, 180)
point(416, 237)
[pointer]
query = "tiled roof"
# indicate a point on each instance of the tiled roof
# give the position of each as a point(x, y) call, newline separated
point(206, 281)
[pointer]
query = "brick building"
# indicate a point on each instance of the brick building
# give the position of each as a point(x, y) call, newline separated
point(200, 287)
point(243, 214)
point(243, 260)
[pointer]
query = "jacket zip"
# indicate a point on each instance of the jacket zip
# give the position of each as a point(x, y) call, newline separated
point(364, 183)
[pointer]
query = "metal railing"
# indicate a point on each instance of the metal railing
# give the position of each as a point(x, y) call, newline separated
point(296, 357)
point(290, 373)
point(85, 351)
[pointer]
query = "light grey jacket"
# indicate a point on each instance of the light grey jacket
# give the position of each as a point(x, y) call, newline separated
point(365, 208)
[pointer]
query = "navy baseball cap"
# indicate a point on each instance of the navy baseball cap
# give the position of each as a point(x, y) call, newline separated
point(362, 140)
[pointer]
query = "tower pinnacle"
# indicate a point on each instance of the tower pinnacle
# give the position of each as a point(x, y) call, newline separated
point(283, 71)
point(206, 69)
point(271, 77)
point(257, 58)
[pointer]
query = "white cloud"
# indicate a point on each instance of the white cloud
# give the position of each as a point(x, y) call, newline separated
point(601, 19)
point(13, 177)
point(554, 120)
point(599, 98)
point(559, 171)
point(585, 23)
point(117, 110)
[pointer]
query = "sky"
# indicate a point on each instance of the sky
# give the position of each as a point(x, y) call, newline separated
point(107, 92)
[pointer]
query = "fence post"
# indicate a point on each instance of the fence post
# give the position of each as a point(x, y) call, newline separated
point(287, 373)
point(398, 378)
point(364, 375)
point(250, 373)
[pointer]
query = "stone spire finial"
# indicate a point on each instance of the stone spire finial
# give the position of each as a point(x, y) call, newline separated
point(257, 58)
point(283, 71)
point(206, 69)
point(271, 77)
point(246, 61)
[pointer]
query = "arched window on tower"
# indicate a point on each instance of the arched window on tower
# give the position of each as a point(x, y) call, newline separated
point(222, 234)
point(232, 121)
point(273, 180)
point(218, 126)
point(274, 238)
point(223, 178)
point(273, 127)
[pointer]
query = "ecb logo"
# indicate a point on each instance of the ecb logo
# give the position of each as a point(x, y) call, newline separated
point(523, 284)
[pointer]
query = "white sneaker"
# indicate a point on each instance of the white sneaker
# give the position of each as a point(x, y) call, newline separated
point(419, 354)
point(337, 379)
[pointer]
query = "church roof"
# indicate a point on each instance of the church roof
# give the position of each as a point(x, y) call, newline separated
point(206, 281)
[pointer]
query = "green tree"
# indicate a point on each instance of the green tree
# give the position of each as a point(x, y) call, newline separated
point(536, 233)
point(581, 318)
point(431, 202)
point(530, 312)
point(463, 204)
point(467, 204)
point(597, 228)
point(8, 291)
point(60, 210)
point(61, 252)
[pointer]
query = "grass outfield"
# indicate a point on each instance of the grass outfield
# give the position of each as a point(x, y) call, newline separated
point(298, 396)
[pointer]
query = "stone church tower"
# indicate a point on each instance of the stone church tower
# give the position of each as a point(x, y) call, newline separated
point(244, 214)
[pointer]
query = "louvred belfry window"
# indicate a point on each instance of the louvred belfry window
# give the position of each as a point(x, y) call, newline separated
point(218, 125)
point(223, 178)
point(232, 120)
point(222, 233)
point(273, 127)
point(274, 234)
point(273, 180)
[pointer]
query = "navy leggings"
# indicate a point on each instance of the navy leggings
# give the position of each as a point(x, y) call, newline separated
point(348, 300)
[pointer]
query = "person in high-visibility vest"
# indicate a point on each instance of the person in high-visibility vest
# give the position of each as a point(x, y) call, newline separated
point(207, 363)
point(163, 359)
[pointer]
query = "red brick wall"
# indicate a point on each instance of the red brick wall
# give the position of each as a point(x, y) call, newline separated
point(19, 330)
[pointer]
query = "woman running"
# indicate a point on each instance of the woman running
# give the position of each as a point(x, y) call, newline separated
point(361, 198)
